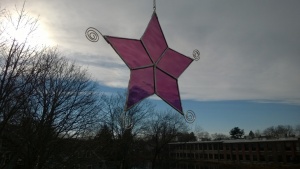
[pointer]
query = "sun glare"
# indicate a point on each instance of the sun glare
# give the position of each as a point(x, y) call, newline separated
point(33, 34)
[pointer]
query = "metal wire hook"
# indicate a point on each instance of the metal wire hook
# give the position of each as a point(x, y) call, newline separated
point(154, 5)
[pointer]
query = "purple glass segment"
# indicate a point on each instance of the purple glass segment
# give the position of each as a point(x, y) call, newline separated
point(167, 89)
point(141, 85)
point(154, 39)
point(174, 63)
point(131, 51)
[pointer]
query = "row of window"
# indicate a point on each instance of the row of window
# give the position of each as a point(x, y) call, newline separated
point(235, 147)
point(233, 157)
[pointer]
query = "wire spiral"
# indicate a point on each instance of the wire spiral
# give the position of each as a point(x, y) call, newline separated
point(92, 34)
point(190, 116)
point(126, 121)
point(196, 54)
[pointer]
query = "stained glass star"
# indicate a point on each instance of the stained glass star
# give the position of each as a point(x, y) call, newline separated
point(154, 67)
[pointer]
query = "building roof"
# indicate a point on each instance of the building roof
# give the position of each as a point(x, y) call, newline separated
point(240, 141)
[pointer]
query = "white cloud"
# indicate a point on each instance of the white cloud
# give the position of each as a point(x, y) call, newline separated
point(249, 49)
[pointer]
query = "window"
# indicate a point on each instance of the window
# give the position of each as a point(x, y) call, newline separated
point(279, 147)
point(200, 147)
point(270, 147)
point(246, 147)
point(221, 156)
point(261, 146)
point(221, 146)
point(215, 146)
point(173, 155)
point(228, 157)
point(241, 157)
point(210, 147)
point(280, 159)
point(216, 156)
point(254, 158)
point(289, 158)
point(240, 147)
point(253, 147)
point(288, 147)
point(270, 158)
point(262, 158)
point(234, 147)
point(233, 157)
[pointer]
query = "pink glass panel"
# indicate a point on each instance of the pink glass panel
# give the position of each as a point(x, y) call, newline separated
point(167, 89)
point(141, 85)
point(131, 51)
point(174, 63)
point(154, 39)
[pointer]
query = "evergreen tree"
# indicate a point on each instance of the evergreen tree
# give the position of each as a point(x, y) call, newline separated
point(236, 133)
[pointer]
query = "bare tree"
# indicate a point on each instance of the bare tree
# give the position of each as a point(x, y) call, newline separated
point(1, 29)
point(257, 133)
point(58, 101)
point(186, 137)
point(44, 98)
point(279, 131)
point(13, 26)
point(125, 127)
point(201, 134)
point(219, 136)
point(14, 58)
point(116, 117)
point(297, 130)
point(270, 132)
point(2, 38)
point(15, 80)
point(64, 102)
point(161, 129)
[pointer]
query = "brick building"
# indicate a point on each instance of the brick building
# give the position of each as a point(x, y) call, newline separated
point(285, 150)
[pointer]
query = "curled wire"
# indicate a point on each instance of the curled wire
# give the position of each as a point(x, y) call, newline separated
point(126, 121)
point(190, 116)
point(196, 54)
point(92, 34)
point(128, 124)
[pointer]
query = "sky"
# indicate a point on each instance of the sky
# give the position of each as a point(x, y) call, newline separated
point(248, 75)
